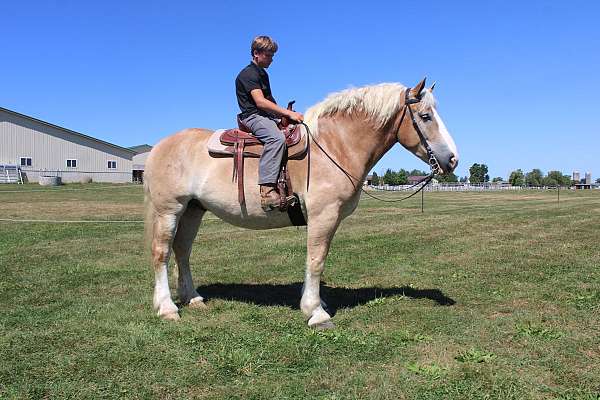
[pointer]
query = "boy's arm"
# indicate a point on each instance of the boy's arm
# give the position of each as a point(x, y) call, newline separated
point(267, 105)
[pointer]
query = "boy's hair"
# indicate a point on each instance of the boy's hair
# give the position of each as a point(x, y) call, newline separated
point(263, 43)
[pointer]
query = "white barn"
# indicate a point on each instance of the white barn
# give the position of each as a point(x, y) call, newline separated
point(43, 149)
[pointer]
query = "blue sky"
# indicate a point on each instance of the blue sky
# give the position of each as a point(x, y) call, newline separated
point(517, 81)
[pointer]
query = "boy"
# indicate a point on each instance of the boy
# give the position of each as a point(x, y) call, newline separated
point(258, 111)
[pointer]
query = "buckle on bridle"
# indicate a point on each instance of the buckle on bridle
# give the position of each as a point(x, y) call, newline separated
point(408, 100)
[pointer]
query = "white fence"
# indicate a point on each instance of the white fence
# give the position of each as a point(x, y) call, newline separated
point(461, 187)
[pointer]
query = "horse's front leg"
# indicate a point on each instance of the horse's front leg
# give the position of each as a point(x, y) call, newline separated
point(321, 229)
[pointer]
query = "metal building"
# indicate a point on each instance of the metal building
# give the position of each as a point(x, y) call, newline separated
point(40, 148)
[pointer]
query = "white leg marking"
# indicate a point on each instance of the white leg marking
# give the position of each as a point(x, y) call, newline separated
point(163, 303)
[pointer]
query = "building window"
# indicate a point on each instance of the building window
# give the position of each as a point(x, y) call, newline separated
point(25, 161)
point(112, 165)
point(71, 163)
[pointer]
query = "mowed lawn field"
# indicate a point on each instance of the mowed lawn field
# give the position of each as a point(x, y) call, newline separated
point(486, 295)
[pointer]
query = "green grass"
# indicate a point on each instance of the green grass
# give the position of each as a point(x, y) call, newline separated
point(483, 296)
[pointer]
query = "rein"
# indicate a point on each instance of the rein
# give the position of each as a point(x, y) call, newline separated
point(433, 163)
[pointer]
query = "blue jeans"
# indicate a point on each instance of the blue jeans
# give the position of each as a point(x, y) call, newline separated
point(266, 130)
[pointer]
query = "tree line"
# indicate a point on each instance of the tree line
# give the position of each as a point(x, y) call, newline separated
point(478, 173)
point(395, 178)
point(537, 178)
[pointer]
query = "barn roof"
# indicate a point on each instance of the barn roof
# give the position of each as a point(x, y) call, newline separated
point(141, 148)
point(67, 130)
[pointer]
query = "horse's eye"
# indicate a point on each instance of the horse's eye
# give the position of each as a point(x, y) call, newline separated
point(425, 117)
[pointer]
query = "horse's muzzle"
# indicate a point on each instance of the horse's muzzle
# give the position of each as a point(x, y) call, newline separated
point(447, 161)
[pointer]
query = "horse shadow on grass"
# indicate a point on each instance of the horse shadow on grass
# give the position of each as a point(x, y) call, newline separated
point(288, 295)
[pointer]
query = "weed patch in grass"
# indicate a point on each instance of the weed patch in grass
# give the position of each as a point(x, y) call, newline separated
point(588, 301)
point(538, 331)
point(577, 395)
point(475, 356)
point(431, 371)
point(404, 337)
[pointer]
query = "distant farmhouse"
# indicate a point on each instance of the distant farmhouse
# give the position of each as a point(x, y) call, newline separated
point(40, 148)
point(414, 179)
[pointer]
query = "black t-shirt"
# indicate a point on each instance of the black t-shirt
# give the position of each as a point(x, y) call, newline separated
point(250, 78)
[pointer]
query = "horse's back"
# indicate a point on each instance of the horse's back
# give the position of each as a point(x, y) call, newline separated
point(177, 150)
point(177, 146)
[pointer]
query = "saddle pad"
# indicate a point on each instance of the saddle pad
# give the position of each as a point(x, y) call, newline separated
point(214, 143)
point(217, 149)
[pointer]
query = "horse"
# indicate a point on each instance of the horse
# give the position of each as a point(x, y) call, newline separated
point(351, 130)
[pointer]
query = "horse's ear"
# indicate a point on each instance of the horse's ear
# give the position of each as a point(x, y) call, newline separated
point(419, 88)
point(432, 86)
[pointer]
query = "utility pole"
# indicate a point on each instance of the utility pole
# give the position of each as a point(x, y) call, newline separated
point(422, 191)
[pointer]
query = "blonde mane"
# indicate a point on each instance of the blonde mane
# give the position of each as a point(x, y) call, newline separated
point(379, 102)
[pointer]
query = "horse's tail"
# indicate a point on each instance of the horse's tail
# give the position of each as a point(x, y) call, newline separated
point(149, 218)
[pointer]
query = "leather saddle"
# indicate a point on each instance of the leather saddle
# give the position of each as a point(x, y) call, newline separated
point(240, 143)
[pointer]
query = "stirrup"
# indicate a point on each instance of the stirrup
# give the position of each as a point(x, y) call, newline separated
point(286, 202)
point(268, 207)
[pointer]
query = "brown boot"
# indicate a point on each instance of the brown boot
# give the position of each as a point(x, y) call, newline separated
point(269, 198)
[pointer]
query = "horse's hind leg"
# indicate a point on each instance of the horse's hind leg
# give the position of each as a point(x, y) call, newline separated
point(182, 247)
point(163, 232)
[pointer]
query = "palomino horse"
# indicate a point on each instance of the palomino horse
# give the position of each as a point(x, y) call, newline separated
point(356, 127)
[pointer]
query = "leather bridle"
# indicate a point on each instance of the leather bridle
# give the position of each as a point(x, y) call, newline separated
point(433, 162)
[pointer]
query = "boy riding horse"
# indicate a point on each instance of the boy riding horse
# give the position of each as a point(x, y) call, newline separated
point(259, 112)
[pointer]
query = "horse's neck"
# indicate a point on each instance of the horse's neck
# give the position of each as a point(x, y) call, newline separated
point(355, 145)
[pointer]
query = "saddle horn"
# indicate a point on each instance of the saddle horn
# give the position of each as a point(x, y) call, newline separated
point(285, 121)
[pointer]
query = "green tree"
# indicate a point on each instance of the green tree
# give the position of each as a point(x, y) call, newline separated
point(448, 178)
point(395, 178)
point(388, 177)
point(598, 180)
point(402, 177)
point(557, 178)
point(497, 179)
point(375, 179)
point(416, 172)
point(516, 178)
point(534, 178)
point(464, 179)
point(479, 173)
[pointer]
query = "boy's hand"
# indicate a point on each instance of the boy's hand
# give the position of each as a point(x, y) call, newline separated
point(295, 116)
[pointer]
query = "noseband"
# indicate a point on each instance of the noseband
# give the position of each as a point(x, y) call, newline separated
point(433, 162)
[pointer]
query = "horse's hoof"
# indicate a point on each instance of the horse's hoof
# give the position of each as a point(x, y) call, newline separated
point(198, 303)
point(320, 318)
point(323, 326)
point(171, 317)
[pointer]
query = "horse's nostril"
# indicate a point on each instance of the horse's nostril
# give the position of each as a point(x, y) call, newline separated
point(453, 162)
